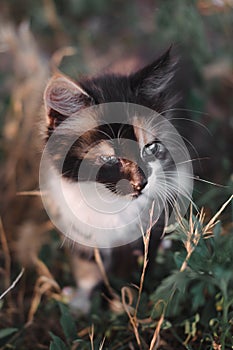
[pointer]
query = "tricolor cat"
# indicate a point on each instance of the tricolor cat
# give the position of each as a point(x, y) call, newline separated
point(112, 155)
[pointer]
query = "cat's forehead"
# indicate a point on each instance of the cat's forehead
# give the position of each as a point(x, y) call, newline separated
point(109, 88)
point(143, 132)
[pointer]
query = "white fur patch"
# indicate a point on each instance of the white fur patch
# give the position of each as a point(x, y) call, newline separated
point(90, 214)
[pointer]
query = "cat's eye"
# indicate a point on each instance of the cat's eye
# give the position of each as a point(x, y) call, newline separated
point(154, 150)
point(109, 160)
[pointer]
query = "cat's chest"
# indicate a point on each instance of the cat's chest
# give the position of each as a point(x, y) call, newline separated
point(90, 214)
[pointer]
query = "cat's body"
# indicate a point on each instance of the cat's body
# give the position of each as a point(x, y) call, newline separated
point(111, 161)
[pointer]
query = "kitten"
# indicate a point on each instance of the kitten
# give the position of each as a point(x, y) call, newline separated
point(112, 157)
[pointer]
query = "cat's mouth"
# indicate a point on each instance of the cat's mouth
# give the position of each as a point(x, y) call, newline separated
point(135, 195)
point(125, 187)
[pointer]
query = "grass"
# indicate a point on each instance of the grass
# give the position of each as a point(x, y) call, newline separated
point(187, 302)
point(190, 306)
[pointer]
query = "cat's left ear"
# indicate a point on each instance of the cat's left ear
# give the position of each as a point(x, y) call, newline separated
point(64, 98)
point(151, 84)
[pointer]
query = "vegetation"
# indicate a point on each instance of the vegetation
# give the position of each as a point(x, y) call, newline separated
point(187, 302)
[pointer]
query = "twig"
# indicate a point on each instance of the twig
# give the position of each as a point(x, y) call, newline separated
point(13, 284)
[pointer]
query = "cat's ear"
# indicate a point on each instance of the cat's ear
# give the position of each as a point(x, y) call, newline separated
point(64, 98)
point(151, 84)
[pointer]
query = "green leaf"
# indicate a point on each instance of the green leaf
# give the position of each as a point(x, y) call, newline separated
point(170, 294)
point(217, 229)
point(7, 331)
point(198, 296)
point(67, 323)
point(57, 343)
point(179, 258)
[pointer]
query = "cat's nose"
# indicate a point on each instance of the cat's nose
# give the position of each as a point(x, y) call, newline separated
point(138, 186)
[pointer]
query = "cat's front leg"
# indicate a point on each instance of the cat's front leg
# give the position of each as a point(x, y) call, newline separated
point(87, 276)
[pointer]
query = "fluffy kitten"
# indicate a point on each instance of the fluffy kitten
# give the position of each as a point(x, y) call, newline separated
point(103, 149)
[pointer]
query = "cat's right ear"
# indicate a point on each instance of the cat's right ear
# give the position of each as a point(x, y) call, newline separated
point(151, 84)
point(64, 98)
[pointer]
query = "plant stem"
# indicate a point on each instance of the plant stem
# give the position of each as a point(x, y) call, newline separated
point(225, 313)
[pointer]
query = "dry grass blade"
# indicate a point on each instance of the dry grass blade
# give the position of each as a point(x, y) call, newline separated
point(156, 338)
point(146, 242)
point(84, 332)
point(29, 193)
point(102, 344)
point(58, 57)
point(91, 332)
point(45, 284)
point(192, 235)
point(51, 14)
point(7, 257)
point(208, 228)
point(194, 232)
point(127, 294)
point(13, 284)
point(91, 336)
point(6, 253)
point(100, 264)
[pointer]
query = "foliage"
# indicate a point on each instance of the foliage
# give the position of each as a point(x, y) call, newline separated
point(187, 302)
point(203, 290)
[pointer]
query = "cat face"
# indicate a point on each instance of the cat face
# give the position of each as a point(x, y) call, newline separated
point(117, 154)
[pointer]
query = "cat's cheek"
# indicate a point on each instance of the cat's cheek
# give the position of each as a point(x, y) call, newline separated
point(154, 180)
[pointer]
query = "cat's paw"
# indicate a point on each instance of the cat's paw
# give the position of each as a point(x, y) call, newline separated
point(78, 300)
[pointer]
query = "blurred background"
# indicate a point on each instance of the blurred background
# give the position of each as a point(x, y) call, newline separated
point(87, 37)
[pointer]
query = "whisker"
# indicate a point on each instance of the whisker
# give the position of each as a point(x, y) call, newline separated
point(169, 174)
point(119, 131)
point(193, 160)
point(209, 182)
point(195, 122)
point(163, 186)
point(109, 125)
point(104, 133)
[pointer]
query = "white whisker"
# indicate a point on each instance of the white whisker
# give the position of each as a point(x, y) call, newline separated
point(192, 160)
point(193, 177)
